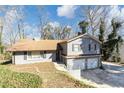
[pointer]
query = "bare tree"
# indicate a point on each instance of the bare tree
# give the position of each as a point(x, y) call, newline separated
point(57, 32)
point(66, 32)
point(47, 32)
point(53, 31)
point(93, 14)
point(43, 20)
point(14, 24)
point(20, 21)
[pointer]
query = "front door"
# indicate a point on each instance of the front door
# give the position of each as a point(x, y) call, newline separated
point(58, 55)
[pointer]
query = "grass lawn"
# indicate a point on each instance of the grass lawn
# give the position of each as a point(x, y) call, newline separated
point(51, 78)
point(11, 79)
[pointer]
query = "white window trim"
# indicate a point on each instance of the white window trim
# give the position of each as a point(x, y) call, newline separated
point(36, 58)
point(78, 46)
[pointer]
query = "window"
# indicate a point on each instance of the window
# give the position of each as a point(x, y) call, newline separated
point(43, 54)
point(29, 55)
point(13, 57)
point(36, 55)
point(33, 55)
point(25, 55)
point(95, 47)
point(76, 47)
point(89, 47)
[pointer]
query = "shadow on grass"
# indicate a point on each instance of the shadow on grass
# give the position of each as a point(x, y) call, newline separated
point(6, 62)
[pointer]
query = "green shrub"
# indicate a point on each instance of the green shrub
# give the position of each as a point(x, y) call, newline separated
point(10, 79)
point(118, 59)
point(7, 56)
point(114, 58)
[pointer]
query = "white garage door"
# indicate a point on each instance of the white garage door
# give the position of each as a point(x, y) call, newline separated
point(76, 64)
point(92, 63)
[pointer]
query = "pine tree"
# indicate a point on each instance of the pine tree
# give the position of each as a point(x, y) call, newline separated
point(101, 31)
point(83, 26)
point(113, 42)
point(101, 34)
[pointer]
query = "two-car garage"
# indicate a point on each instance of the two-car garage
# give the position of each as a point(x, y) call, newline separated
point(83, 63)
point(76, 65)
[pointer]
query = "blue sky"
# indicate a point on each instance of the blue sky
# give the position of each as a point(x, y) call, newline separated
point(62, 14)
point(32, 15)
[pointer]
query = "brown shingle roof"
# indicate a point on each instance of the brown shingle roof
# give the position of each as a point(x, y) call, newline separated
point(32, 45)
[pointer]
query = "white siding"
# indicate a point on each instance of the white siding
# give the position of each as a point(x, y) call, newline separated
point(19, 58)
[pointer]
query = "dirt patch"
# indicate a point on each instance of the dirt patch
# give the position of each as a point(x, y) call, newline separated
point(51, 77)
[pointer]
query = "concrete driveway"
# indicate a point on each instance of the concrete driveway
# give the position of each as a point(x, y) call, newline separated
point(112, 76)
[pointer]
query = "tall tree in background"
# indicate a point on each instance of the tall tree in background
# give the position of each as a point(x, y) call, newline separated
point(83, 26)
point(93, 14)
point(101, 34)
point(43, 21)
point(21, 30)
point(62, 32)
point(113, 42)
point(119, 43)
point(66, 31)
point(47, 32)
point(101, 31)
point(56, 32)
point(14, 24)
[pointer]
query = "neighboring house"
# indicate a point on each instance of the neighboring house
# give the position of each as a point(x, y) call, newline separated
point(81, 52)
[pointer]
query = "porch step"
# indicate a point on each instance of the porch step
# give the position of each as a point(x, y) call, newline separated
point(61, 67)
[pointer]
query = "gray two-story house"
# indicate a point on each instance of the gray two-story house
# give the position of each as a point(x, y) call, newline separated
point(81, 52)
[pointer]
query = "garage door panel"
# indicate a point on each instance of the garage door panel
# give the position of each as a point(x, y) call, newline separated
point(85, 63)
point(92, 63)
point(76, 64)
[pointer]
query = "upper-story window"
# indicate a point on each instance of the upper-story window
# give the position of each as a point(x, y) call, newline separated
point(94, 46)
point(76, 47)
point(89, 47)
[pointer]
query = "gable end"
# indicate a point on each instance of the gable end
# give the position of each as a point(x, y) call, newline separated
point(82, 36)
